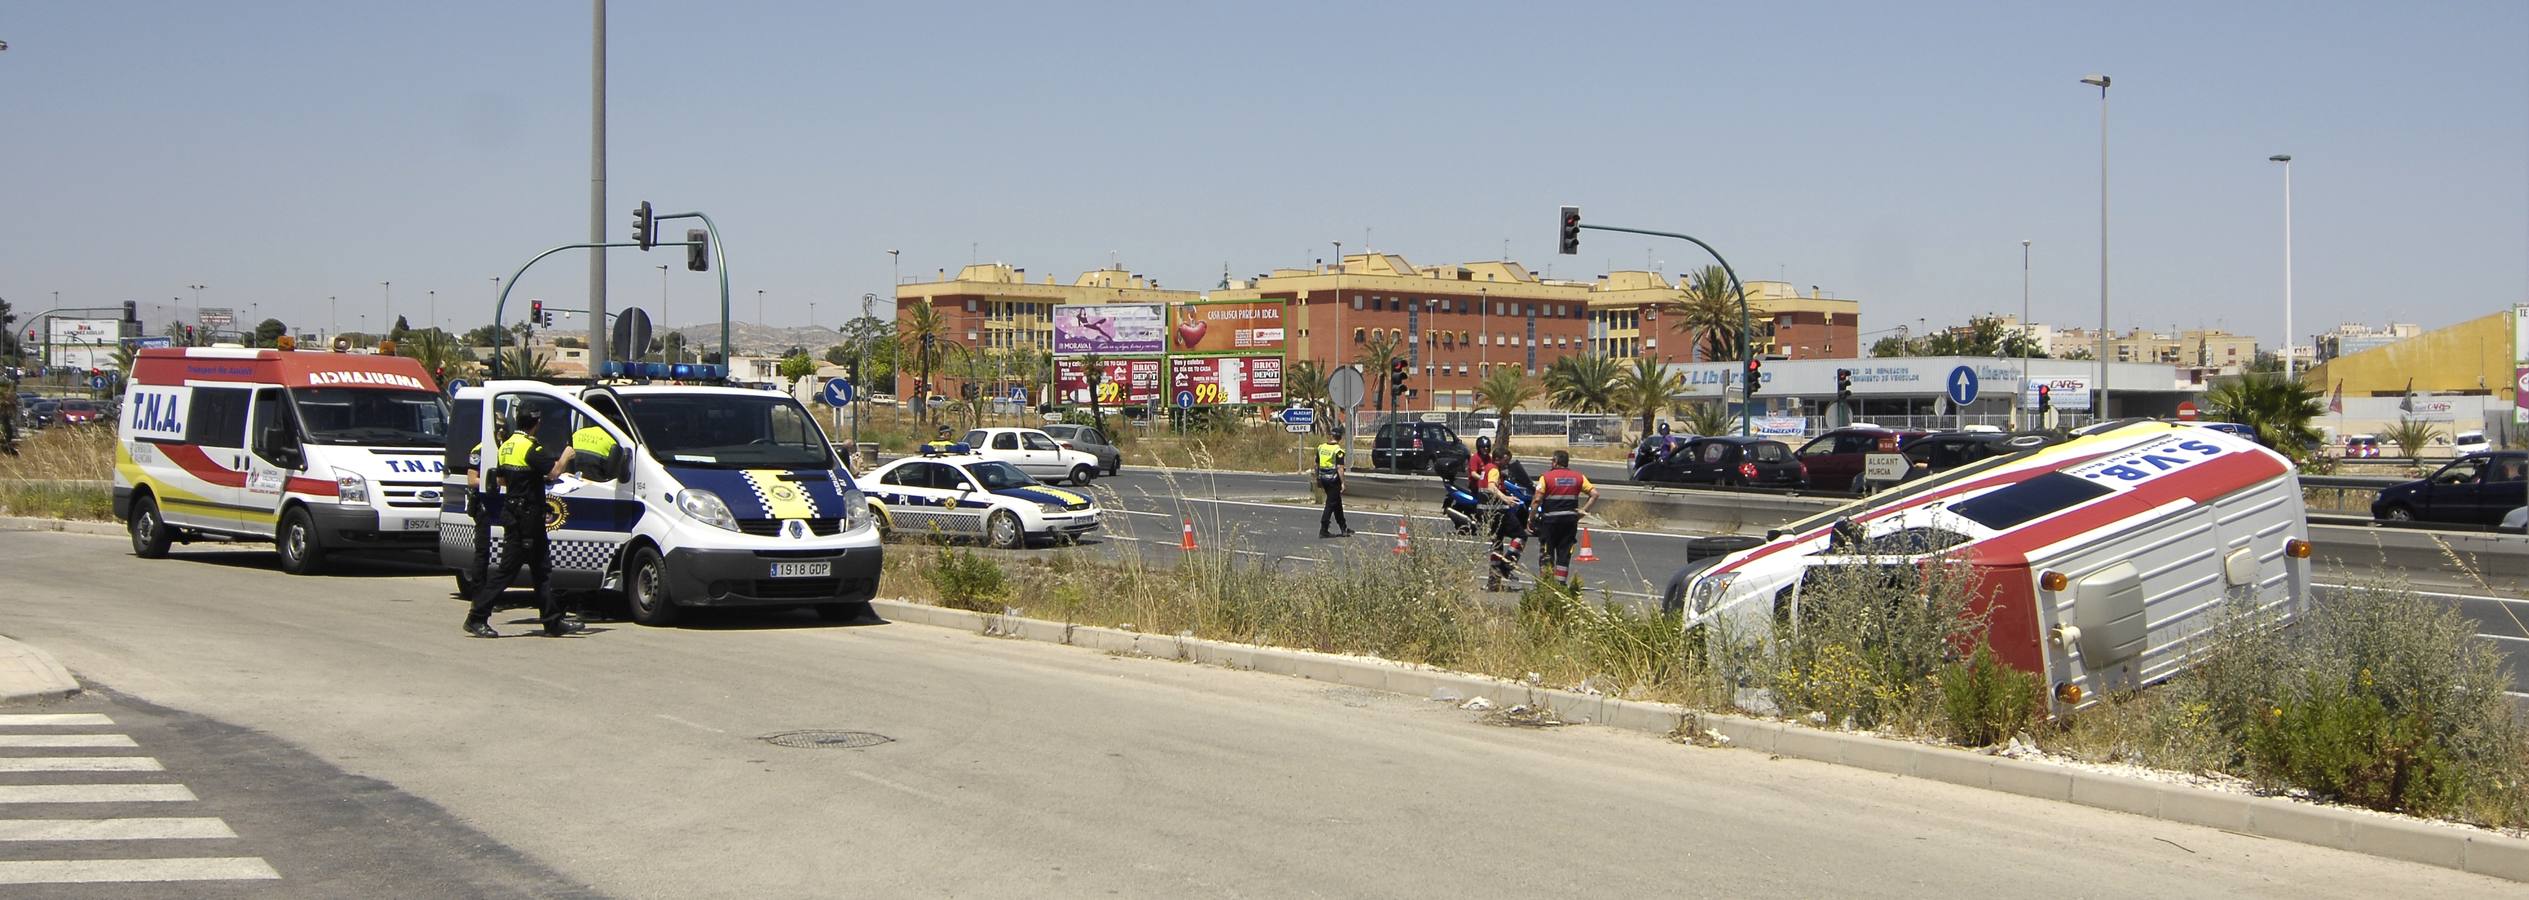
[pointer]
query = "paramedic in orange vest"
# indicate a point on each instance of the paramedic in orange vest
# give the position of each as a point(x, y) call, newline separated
point(1562, 496)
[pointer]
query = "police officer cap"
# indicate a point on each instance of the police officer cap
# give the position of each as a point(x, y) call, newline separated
point(525, 417)
point(943, 431)
point(1337, 431)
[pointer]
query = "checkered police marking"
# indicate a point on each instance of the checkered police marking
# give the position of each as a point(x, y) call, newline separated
point(587, 556)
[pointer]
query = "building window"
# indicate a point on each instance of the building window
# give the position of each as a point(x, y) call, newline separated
point(1356, 301)
point(1359, 336)
point(970, 304)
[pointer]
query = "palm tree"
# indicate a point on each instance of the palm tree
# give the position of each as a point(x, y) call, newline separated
point(1376, 355)
point(2410, 435)
point(123, 353)
point(1703, 417)
point(1711, 315)
point(924, 331)
point(1647, 387)
point(1582, 384)
point(1304, 383)
point(523, 362)
point(439, 352)
point(2280, 410)
point(1504, 390)
point(1093, 371)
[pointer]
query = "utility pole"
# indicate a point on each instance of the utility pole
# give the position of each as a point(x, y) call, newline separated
point(597, 355)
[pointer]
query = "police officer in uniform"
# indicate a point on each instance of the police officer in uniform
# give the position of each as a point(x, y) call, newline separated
point(940, 445)
point(1562, 496)
point(523, 467)
point(1330, 478)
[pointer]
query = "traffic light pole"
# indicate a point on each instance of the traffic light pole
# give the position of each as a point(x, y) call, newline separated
point(500, 306)
point(719, 260)
point(1747, 403)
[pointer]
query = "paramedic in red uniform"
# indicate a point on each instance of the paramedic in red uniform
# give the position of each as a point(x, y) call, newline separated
point(1562, 496)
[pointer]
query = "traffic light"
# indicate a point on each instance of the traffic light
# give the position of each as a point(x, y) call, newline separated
point(188, 335)
point(1754, 369)
point(697, 250)
point(1571, 231)
point(644, 230)
point(535, 313)
point(853, 371)
point(1843, 385)
point(2045, 398)
point(1396, 370)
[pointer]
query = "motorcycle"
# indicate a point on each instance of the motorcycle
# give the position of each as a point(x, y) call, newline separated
point(1464, 510)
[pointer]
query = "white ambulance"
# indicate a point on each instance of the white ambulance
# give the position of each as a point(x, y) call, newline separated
point(315, 452)
point(2095, 560)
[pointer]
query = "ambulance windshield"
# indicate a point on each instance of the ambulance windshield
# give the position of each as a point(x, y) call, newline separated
point(372, 417)
point(728, 431)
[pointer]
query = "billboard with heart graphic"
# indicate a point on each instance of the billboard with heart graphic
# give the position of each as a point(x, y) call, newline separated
point(1230, 326)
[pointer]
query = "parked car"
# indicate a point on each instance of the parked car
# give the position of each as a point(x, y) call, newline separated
point(2476, 489)
point(42, 413)
point(970, 496)
point(882, 399)
point(2362, 446)
point(1647, 452)
point(1932, 454)
point(1835, 459)
point(1089, 440)
point(1732, 460)
point(1423, 447)
point(1035, 453)
point(2467, 442)
point(80, 412)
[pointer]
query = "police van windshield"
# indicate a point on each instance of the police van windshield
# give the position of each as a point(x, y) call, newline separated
point(371, 417)
point(728, 431)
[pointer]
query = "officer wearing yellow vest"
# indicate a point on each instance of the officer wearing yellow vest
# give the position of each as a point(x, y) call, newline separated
point(1330, 478)
point(592, 453)
point(940, 445)
point(522, 466)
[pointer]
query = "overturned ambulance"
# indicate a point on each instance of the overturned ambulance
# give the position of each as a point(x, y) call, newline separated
point(2094, 559)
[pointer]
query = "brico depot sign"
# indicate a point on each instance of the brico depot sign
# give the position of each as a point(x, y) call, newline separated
point(1121, 381)
point(1227, 379)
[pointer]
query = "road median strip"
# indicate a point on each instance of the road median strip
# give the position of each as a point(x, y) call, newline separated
point(2395, 837)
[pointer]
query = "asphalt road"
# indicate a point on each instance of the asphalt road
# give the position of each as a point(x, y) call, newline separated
point(629, 760)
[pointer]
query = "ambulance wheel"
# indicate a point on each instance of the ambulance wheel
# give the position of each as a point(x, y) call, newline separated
point(1003, 530)
point(300, 552)
point(1082, 475)
point(150, 534)
point(645, 588)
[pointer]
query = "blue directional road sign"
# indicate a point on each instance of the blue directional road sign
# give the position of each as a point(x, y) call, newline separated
point(1299, 415)
point(457, 384)
point(838, 392)
point(1185, 399)
point(96, 381)
point(1961, 385)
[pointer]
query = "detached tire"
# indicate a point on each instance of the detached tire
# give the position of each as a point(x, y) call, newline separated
point(301, 554)
point(150, 534)
point(645, 589)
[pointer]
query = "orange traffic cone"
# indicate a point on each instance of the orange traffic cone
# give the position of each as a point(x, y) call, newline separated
point(1587, 555)
point(1401, 539)
point(1187, 541)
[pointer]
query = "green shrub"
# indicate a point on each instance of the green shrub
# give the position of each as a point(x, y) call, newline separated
point(2343, 744)
point(966, 580)
point(1985, 702)
point(1864, 642)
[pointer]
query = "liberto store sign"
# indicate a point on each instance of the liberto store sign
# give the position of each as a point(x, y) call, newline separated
point(1923, 376)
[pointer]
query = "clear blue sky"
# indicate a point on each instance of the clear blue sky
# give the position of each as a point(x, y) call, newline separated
point(284, 152)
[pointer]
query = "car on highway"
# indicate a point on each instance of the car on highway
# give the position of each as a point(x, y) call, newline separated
point(2467, 442)
point(1035, 452)
point(80, 412)
point(1940, 452)
point(41, 413)
point(963, 494)
point(1088, 439)
point(2093, 563)
point(2476, 489)
point(2362, 446)
point(1656, 449)
point(1418, 447)
point(1835, 459)
point(713, 497)
point(1730, 460)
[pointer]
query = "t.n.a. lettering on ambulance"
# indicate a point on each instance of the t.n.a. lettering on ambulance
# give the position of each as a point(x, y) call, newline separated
point(312, 451)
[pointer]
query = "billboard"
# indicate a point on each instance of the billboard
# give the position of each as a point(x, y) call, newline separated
point(1227, 379)
point(1233, 326)
point(2070, 393)
point(216, 318)
point(1122, 381)
point(1109, 328)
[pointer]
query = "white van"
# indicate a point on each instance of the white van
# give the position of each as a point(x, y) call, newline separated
point(316, 452)
point(716, 496)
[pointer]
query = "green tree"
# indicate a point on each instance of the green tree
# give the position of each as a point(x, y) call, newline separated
point(1896, 345)
point(485, 336)
point(2411, 435)
point(1376, 355)
point(1304, 383)
point(123, 354)
point(1093, 370)
point(1703, 417)
point(524, 362)
point(566, 341)
point(9, 346)
point(398, 332)
point(797, 365)
point(438, 352)
point(269, 331)
point(1582, 384)
point(2279, 410)
point(1646, 387)
point(1504, 391)
point(1711, 317)
point(923, 332)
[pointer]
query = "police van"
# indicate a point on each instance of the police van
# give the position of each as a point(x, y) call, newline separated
point(316, 452)
point(2095, 561)
point(681, 496)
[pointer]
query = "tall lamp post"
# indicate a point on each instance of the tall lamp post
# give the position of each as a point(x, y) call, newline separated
point(670, 324)
point(386, 306)
point(2024, 324)
point(2101, 82)
point(2286, 160)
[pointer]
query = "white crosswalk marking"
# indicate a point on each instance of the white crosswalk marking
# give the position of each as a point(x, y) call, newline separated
point(66, 740)
point(79, 764)
point(95, 793)
point(165, 829)
point(85, 871)
point(9, 719)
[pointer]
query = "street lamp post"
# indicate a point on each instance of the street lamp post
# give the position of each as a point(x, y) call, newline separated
point(2101, 82)
point(759, 306)
point(386, 305)
point(2024, 325)
point(2286, 160)
point(197, 299)
point(664, 321)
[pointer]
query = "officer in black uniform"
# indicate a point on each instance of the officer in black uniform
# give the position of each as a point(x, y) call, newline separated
point(523, 467)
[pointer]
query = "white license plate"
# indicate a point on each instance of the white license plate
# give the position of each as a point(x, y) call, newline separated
point(818, 569)
point(421, 524)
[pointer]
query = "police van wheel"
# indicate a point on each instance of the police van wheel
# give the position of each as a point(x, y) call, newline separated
point(150, 534)
point(300, 553)
point(1003, 530)
point(1082, 475)
point(645, 589)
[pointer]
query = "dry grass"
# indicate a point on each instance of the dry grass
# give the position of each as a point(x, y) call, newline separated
point(57, 474)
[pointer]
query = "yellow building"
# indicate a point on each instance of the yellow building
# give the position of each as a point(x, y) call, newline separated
point(2467, 359)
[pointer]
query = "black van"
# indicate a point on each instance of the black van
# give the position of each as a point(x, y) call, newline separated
point(1418, 447)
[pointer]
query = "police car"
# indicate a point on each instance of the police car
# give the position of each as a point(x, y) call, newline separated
point(958, 493)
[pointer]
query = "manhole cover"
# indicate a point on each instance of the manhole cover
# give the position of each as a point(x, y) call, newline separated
point(827, 740)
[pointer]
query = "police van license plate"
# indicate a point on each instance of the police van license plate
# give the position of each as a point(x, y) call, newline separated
point(818, 569)
point(421, 524)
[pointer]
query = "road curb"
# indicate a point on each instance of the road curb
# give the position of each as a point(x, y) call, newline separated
point(28, 673)
point(2445, 846)
point(66, 526)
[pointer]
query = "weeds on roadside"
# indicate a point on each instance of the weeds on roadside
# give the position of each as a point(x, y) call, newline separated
point(43, 479)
